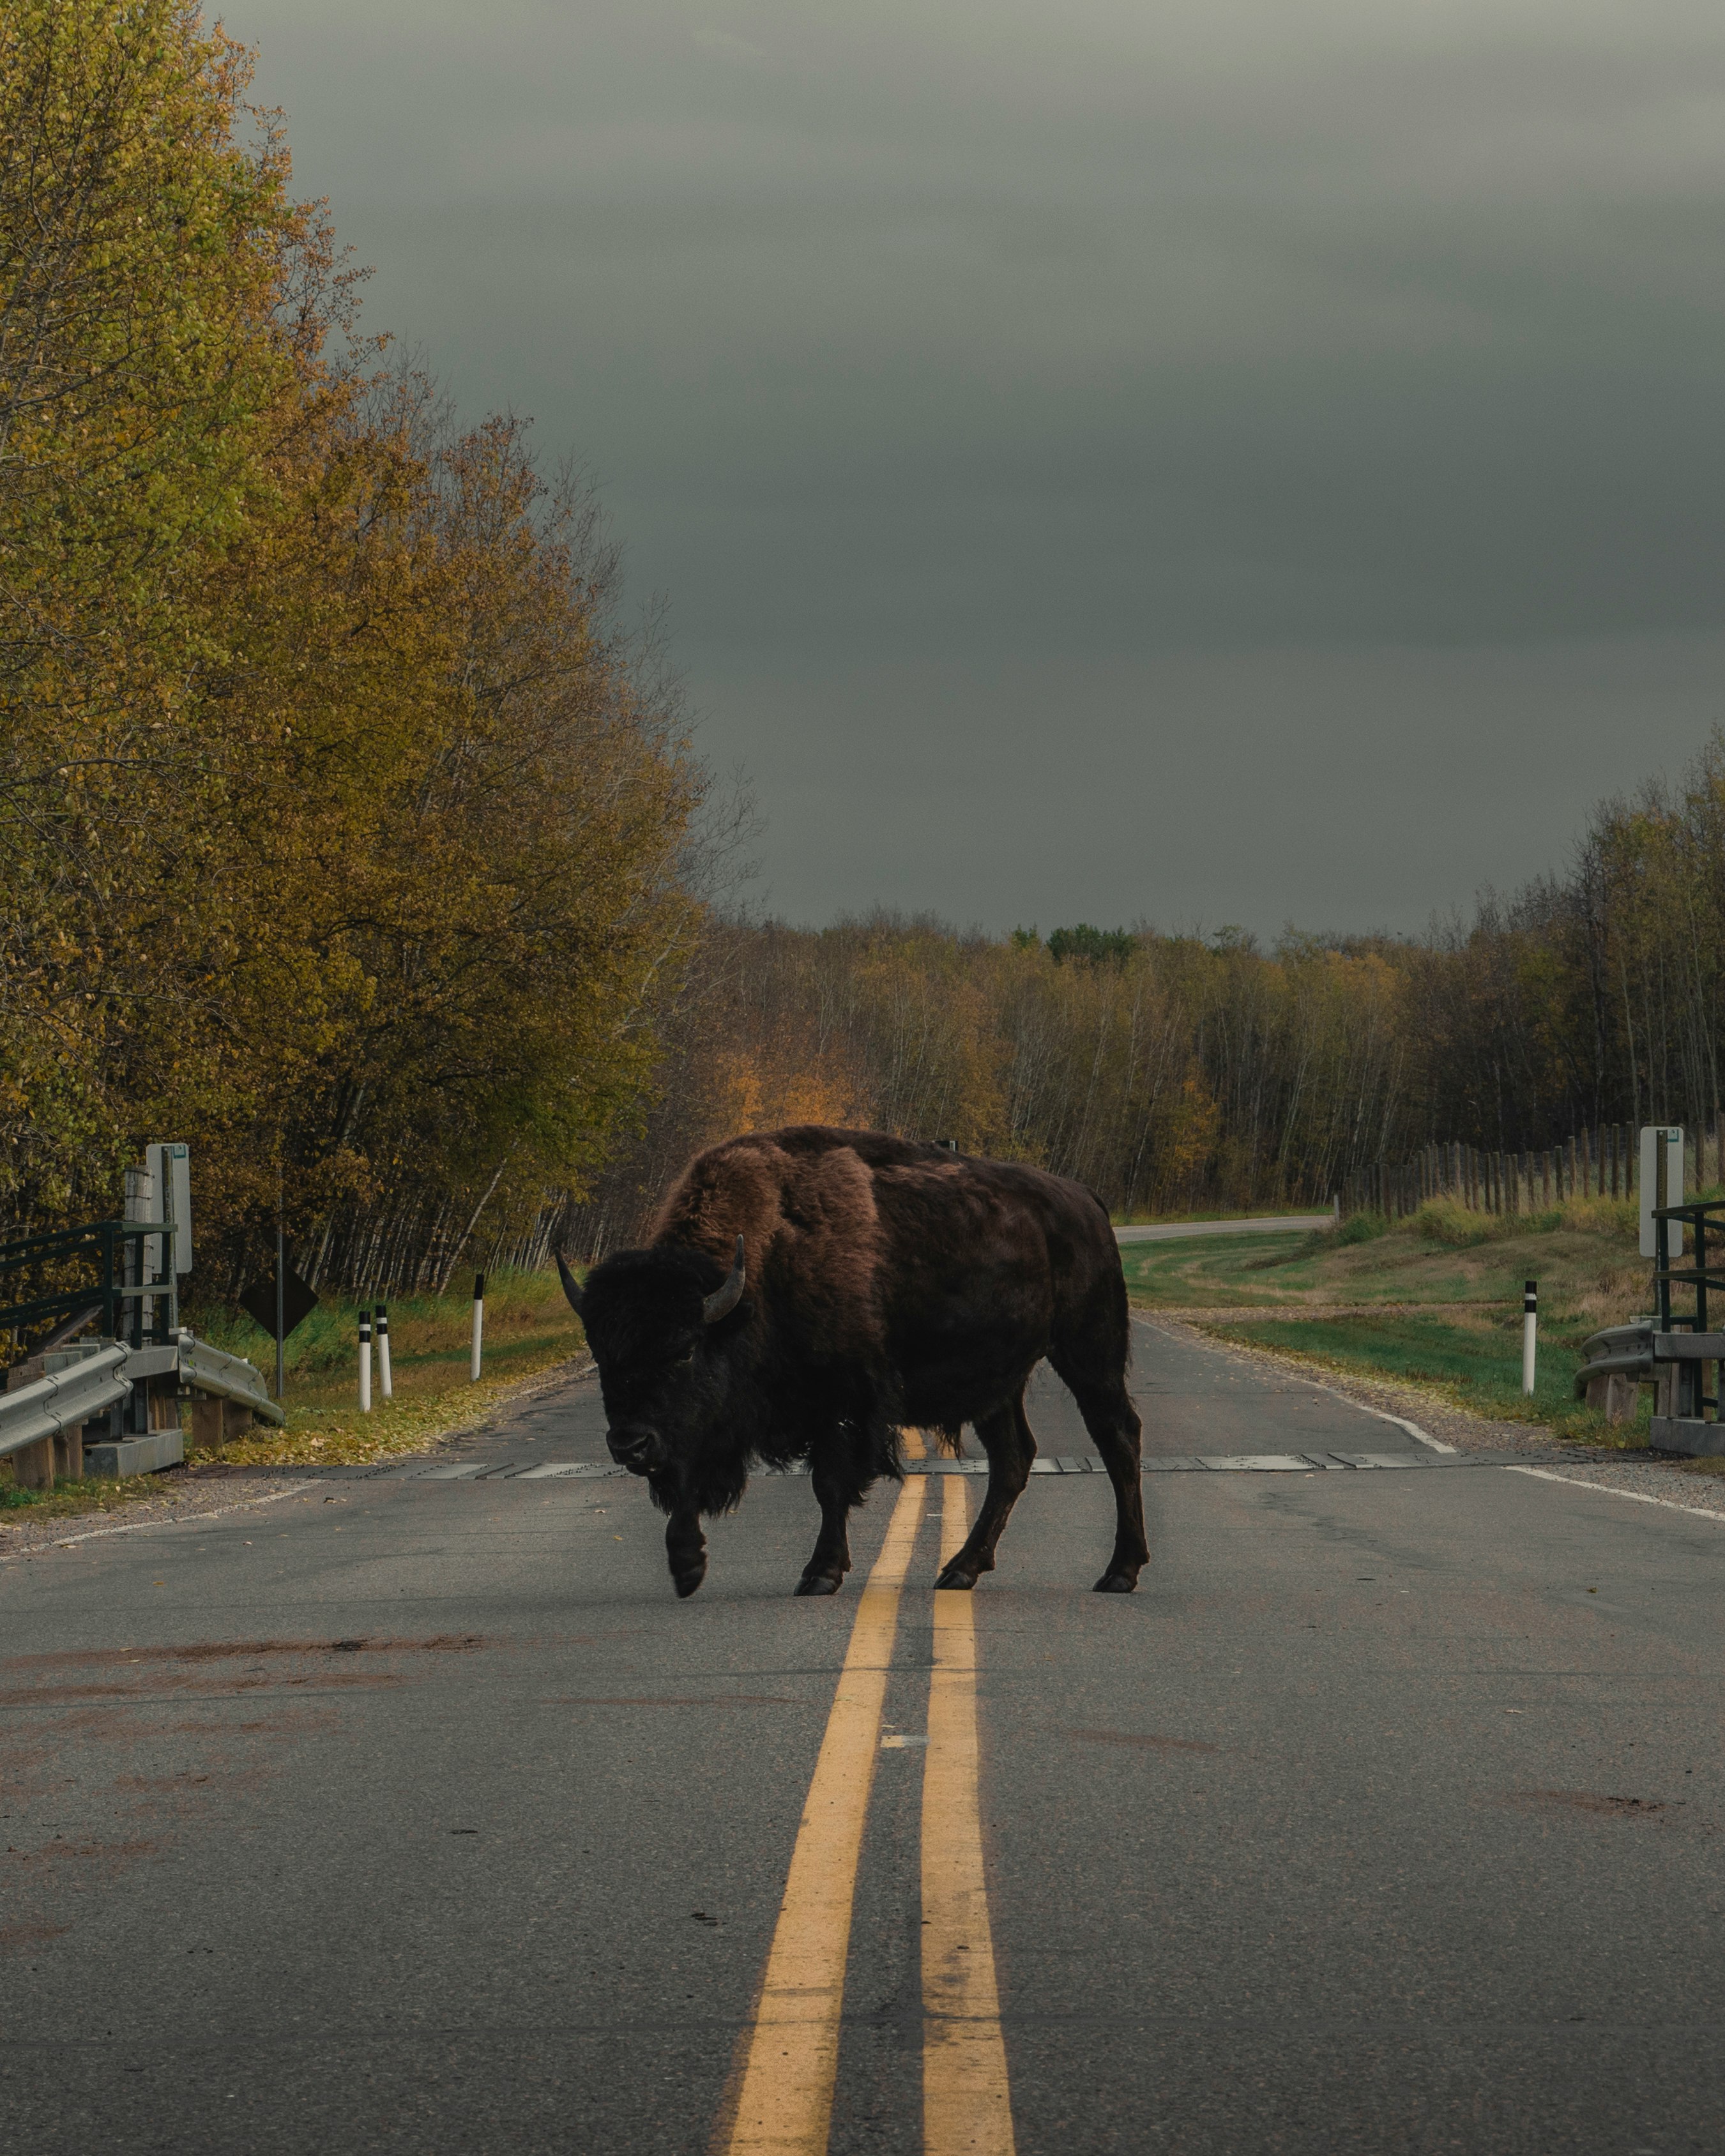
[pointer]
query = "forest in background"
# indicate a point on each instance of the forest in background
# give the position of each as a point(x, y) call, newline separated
point(347, 833)
point(1188, 1073)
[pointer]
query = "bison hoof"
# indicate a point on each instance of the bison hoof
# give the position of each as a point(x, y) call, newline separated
point(1116, 1582)
point(687, 1581)
point(957, 1576)
point(819, 1583)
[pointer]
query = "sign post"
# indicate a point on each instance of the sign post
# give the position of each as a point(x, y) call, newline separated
point(1661, 1182)
point(279, 1307)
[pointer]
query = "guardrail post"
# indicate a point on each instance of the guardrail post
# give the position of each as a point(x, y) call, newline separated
point(69, 1454)
point(32, 1466)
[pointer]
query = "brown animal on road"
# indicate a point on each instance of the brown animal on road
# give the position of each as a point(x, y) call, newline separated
point(809, 1291)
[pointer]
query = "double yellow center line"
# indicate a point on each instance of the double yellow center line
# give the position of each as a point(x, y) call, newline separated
point(784, 2101)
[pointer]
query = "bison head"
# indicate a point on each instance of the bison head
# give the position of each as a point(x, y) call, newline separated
point(655, 1322)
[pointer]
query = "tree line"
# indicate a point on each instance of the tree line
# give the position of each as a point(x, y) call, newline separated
point(1176, 1073)
point(343, 831)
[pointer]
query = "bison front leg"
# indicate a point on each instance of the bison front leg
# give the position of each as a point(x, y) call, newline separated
point(685, 1547)
point(824, 1572)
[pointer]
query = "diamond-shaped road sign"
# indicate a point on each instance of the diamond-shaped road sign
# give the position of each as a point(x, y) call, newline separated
point(298, 1301)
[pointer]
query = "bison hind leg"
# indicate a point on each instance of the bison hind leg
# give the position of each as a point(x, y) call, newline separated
point(1113, 1422)
point(1010, 1444)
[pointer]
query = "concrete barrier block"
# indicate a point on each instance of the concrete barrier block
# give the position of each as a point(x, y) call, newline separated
point(135, 1455)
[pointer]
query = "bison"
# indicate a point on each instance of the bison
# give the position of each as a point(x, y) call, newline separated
point(807, 1291)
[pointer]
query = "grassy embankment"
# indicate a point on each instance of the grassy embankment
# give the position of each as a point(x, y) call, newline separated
point(1434, 1302)
point(529, 1329)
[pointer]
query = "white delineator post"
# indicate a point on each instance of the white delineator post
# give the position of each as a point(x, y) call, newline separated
point(1530, 1328)
point(365, 1362)
point(479, 1322)
point(384, 1384)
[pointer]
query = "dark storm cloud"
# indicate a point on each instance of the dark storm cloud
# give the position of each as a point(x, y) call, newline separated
point(1058, 428)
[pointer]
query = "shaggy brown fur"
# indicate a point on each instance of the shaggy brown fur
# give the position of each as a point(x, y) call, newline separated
point(887, 1283)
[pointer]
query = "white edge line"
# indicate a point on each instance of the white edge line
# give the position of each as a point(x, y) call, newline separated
point(176, 1520)
point(1635, 1497)
point(1383, 1414)
point(1401, 1422)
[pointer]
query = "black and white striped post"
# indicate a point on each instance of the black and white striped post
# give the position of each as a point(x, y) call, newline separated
point(365, 1362)
point(479, 1322)
point(385, 1383)
point(1530, 1331)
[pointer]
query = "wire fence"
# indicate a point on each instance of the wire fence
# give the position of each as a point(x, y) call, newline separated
point(1597, 1162)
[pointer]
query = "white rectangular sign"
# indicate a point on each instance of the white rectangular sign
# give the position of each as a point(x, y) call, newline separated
point(1661, 1144)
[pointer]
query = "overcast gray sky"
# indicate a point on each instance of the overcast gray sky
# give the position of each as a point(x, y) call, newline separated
point(1225, 461)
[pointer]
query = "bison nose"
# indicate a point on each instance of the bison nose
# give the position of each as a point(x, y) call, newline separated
point(633, 1444)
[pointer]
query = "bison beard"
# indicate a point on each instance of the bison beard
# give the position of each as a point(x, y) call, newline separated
point(807, 1292)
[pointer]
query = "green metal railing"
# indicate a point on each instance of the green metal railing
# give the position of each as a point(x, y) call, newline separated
point(1704, 1218)
point(1700, 1216)
point(132, 1309)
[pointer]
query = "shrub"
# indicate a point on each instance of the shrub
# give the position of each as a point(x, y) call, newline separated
point(1442, 1220)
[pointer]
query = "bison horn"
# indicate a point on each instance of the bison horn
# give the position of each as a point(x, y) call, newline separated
point(724, 1300)
point(570, 1289)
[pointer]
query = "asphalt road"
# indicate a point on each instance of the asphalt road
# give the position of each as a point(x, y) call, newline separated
point(1174, 1231)
point(414, 1813)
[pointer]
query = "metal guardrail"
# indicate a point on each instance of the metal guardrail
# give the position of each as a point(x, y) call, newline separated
point(1619, 1350)
point(228, 1377)
point(96, 1377)
point(64, 1399)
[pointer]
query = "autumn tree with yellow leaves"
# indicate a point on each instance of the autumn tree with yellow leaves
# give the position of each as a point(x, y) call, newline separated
point(342, 832)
